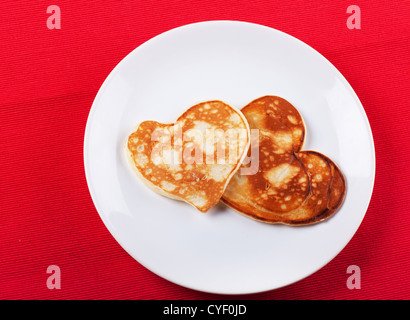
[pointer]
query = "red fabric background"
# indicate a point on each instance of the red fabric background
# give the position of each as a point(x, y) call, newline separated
point(49, 79)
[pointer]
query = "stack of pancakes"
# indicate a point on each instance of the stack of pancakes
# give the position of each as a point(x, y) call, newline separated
point(286, 184)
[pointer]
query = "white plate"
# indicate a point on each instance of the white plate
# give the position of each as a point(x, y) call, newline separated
point(223, 251)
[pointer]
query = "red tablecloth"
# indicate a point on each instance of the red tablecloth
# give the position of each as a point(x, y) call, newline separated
point(49, 79)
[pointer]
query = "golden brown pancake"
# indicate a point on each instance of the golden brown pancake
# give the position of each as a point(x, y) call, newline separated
point(337, 188)
point(291, 186)
point(278, 175)
point(194, 158)
point(279, 117)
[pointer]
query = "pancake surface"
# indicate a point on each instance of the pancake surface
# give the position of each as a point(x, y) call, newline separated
point(292, 187)
point(194, 158)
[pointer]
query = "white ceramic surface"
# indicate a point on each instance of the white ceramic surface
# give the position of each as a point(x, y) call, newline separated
point(223, 251)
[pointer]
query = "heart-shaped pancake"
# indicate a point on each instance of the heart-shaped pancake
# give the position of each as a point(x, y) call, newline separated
point(292, 187)
point(193, 158)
